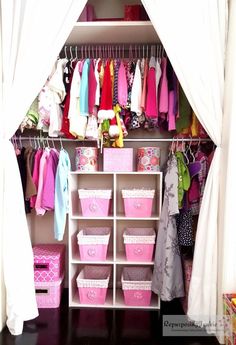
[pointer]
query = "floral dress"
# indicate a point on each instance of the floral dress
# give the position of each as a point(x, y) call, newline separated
point(167, 279)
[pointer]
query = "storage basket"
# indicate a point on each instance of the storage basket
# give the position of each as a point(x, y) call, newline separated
point(138, 202)
point(48, 294)
point(49, 262)
point(148, 159)
point(86, 158)
point(95, 202)
point(136, 285)
point(93, 243)
point(92, 283)
point(139, 243)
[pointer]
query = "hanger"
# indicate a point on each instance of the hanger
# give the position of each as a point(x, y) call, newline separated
point(62, 148)
point(185, 152)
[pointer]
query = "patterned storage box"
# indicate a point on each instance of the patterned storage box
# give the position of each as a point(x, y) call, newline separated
point(86, 158)
point(95, 202)
point(138, 202)
point(49, 262)
point(148, 159)
point(93, 243)
point(136, 285)
point(230, 311)
point(139, 243)
point(48, 294)
point(92, 283)
point(118, 159)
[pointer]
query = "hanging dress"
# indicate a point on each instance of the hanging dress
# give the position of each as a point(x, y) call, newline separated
point(167, 279)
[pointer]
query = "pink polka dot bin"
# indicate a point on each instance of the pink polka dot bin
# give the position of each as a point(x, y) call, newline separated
point(148, 159)
point(86, 158)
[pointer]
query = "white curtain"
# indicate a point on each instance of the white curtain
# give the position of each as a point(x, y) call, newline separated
point(32, 34)
point(227, 275)
point(193, 34)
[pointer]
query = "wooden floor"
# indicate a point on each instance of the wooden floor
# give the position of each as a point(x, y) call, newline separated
point(64, 326)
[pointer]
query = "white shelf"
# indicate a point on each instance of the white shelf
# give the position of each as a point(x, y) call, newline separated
point(74, 217)
point(76, 260)
point(116, 258)
point(122, 217)
point(110, 32)
point(121, 260)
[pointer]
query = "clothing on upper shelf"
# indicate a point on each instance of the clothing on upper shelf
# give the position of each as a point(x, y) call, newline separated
point(44, 175)
point(81, 93)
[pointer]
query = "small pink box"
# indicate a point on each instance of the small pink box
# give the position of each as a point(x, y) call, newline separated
point(139, 244)
point(138, 202)
point(93, 243)
point(92, 283)
point(136, 285)
point(48, 294)
point(115, 159)
point(95, 203)
point(49, 262)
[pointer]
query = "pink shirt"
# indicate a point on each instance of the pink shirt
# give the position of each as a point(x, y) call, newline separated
point(35, 176)
point(48, 193)
point(42, 173)
point(163, 87)
point(151, 99)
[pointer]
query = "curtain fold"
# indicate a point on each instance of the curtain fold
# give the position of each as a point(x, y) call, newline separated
point(193, 34)
point(227, 273)
point(32, 34)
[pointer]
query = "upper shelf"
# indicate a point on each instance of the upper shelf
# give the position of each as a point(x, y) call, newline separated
point(111, 32)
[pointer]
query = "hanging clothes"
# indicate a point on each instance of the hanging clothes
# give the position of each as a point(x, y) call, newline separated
point(61, 195)
point(167, 279)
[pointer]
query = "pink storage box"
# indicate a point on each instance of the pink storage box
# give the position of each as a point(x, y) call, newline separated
point(48, 294)
point(136, 285)
point(93, 243)
point(139, 243)
point(95, 202)
point(49, 262)
point(92, 283)
point(115, 159)
point(138, 202)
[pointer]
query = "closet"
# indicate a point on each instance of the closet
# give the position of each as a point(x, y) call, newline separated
point(127, 37)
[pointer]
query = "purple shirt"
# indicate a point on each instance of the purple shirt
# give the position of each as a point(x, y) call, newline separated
point(48, 194)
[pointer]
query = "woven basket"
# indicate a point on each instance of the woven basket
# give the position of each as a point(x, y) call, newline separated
point(94, 277)
point(94, 235)
point(95, 193)
point(139, 235)
point(138, 193)
point(136, 278)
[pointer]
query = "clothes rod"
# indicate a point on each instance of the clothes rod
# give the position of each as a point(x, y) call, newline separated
point(126, 140)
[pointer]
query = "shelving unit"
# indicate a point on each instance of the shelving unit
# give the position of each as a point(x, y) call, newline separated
point(117, 220)
point(103, 32)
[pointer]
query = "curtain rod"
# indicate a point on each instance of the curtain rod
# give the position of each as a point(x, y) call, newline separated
point(127, 140)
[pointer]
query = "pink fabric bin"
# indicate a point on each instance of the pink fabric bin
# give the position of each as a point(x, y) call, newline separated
point(138, 202)
point(136, 285)
point(49, 262)
point(93, 243)
point(92, 283)
point(139, 243)
point(95, 202)
point(48, 294)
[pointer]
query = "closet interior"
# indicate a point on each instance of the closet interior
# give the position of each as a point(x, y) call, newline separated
point(107, 43)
